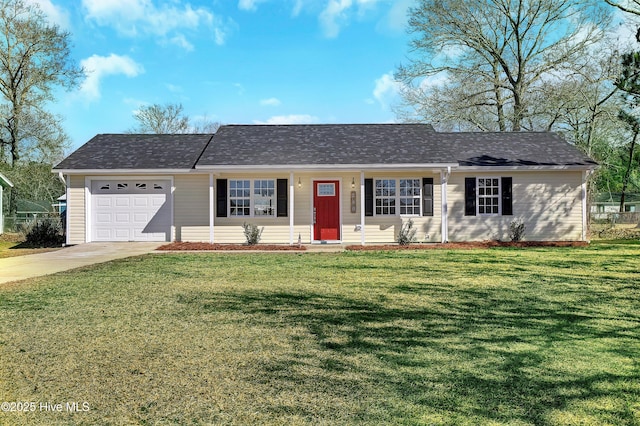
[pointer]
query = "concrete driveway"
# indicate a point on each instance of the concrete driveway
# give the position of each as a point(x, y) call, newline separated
point(35, 265)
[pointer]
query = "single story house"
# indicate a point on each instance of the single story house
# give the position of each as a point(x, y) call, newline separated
point(4, 183)
point(347, 183)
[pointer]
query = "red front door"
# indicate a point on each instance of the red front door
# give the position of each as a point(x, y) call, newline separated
point(326, 210)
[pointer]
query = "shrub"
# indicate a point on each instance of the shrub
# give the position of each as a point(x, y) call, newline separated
point(252, 233)
point(407, 234)
point(516, 230)
point(44, 233)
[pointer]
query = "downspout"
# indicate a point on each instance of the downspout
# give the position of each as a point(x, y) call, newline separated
point(585, 217)
point(362, 215)
point(291, 208)
point(444, 178)
point(66, 182)
point(212, 207)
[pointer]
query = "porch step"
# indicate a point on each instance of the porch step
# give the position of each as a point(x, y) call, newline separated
point(325, 248)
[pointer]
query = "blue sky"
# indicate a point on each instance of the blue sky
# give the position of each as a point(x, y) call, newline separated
point(233, 61)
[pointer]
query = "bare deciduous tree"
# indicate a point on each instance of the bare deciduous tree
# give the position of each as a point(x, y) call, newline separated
point(495, 56)
point(35, 58)
point(170, 119)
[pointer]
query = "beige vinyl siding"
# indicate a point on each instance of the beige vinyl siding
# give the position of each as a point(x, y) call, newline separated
point(191, 208)
point(549, 203)
point(76, 210)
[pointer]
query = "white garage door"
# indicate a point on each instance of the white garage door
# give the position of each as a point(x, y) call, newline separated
point(131, 210)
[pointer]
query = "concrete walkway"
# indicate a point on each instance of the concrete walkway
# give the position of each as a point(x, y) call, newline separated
point(35, 265)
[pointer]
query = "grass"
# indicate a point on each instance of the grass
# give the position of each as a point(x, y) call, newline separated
point(13, 245)
point(500, 336)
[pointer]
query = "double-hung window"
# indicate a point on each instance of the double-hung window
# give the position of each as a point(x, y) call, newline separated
point(239, 198)
point(385, 196)
point(410, 197)
point(488, 196)
point(252, 197)
point(398, 196)
point(264, 197)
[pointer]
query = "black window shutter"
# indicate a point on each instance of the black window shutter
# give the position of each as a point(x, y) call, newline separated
point(221, 197)
point(368, 197)
point(427, 196)
point(507, 196)
point(470, 196)
point(283, 197)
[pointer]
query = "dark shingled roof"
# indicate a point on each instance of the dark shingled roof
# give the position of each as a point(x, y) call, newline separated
point(353, 144)
point(324, 145)
point(513, 149)
point(127, 151)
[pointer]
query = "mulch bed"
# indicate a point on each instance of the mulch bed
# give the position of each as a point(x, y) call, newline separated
point(187, 246)
point(472, 245)
point(225, 247)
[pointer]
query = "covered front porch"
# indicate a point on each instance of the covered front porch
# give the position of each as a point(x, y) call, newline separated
point(314, 206)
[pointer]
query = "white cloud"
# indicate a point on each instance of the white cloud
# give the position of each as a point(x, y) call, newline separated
point(386, 90)
point(270, 102)
point(173, 88)
point(251, 5)
point(289, 119)
point(397, 17)
point(134, 18)
point(297, 8)
point(98, 67)
point(337, 13)
point(181, 41)
point(333, 15)
point(55, 14)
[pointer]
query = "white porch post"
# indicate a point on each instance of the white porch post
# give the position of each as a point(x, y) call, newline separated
point(291, 204)
point(362, 215)
point(444, 178)
point(212, 208)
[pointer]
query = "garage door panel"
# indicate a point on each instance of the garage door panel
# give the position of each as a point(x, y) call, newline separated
point(123, 234)
point(131, 210)
point(103, 218)
point(102, 201)
point(104, 234)
point(122, 217)
point(141, 201)
point(141, 218)
point(122, 201)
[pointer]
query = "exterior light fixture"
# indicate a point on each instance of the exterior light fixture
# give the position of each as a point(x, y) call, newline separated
point(353, 182)
point(299, 183)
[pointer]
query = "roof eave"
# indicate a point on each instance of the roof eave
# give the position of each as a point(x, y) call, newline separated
point(4, 181)
point(529, 167)
point(325, 167)
point(122, 171)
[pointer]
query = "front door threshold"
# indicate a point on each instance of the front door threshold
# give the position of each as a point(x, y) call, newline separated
point(326, 242)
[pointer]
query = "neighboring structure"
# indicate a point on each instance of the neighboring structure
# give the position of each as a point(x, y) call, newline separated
point(606, 202)
point(4, 183)
point(325, 183)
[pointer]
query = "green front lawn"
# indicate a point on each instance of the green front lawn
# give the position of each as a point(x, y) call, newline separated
point(500, 336)
point(12, 245)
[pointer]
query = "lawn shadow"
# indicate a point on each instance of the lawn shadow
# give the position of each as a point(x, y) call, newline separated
point(492, 356)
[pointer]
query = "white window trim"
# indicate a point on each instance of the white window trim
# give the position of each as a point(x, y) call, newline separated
point(499, 196)
point(397, 197)
point(252, 199)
